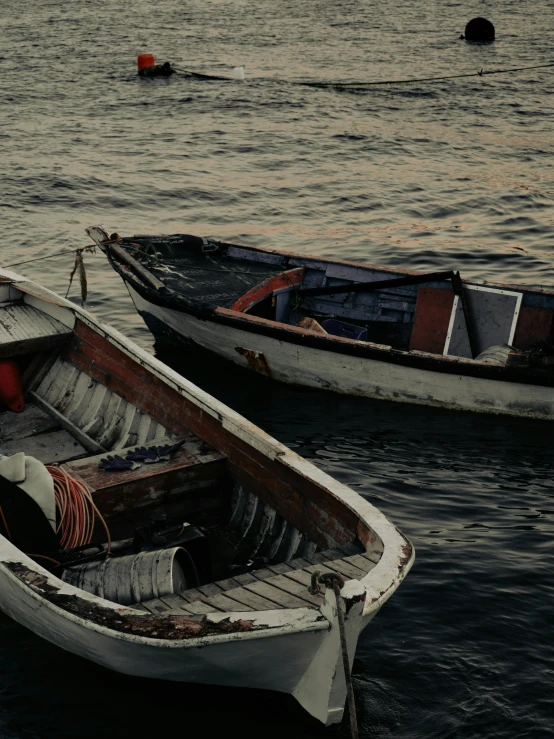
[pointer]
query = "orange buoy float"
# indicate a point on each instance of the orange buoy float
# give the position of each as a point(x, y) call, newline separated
point(11, 392)
point(144, 61)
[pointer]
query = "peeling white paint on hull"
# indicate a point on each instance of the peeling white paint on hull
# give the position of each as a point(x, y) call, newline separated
point(301, 657)
point(303, 365)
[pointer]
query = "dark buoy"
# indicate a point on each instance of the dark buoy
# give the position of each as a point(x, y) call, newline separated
point(479, 29)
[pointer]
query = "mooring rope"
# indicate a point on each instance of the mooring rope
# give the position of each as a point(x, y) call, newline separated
point(81, 249)
point(481, 73)
point(79, 267)
point(336, 581)
point(379, 83)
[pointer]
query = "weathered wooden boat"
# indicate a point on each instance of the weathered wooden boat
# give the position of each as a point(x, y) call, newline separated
point(431, 339)
point(206, 559)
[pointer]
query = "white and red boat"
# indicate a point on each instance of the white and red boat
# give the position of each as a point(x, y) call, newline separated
point(431, 339)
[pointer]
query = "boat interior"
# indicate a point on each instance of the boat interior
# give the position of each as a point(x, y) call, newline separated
point(435, 313)
point(239, 532)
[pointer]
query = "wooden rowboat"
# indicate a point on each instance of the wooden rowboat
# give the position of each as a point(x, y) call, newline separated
point(232, 524)
point(431, 339)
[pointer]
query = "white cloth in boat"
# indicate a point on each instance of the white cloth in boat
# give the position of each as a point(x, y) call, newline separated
point(497, 354)
point(31, 476)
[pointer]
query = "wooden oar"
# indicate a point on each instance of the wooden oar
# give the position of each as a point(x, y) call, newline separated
point(360, 287)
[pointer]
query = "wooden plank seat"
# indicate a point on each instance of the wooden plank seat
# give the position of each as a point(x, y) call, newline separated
point(283, 585)
point(24, 329)
point(191, 470)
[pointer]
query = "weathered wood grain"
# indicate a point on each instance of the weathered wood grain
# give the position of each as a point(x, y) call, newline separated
point(24, 329)
point(249, 600)
point(76, 433)
point(120, 491)
point(49, 447)
point(31, 421)
point(137, 267)
point(280, 597)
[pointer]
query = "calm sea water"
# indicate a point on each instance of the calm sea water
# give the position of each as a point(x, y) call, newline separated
point(456, 174)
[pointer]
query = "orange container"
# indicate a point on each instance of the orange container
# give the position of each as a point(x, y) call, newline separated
point(145, 60)
point(11, 392)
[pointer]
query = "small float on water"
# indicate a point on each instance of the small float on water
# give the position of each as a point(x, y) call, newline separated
point(148, 528)
point(147, 67)
point(433, 339)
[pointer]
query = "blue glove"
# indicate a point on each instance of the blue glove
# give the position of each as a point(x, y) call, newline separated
point(160, 453)
point(142, 454)
point(117, 463)
point(165, 451)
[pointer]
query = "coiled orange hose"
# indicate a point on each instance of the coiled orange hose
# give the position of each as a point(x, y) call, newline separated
point(76, 508)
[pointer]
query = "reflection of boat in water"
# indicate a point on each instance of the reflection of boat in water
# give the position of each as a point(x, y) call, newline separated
point(216, 531)
point(369, 331)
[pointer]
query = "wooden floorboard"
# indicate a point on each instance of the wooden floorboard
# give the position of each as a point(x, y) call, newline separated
point(296, 589)
point(176, 606)
point(223, 603)
point(251, 601)
point(282, 585)
point(364, 563)
point(157, 607)
point(280, 597)
point(200, 607)
point(343, 568)
point(300, 576)
point(245, 578)
point(280, 568)
point(320, 568)
point(209, 589)
point(31, 421)
point(49, 447)
point(228, 584)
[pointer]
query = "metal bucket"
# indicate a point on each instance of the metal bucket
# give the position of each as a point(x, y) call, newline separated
point(133, 578)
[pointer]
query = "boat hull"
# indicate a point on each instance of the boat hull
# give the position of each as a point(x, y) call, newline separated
point(296, 659)
point(299, 364)
point(108, 395)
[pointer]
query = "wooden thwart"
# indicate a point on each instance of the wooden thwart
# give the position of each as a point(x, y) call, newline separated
point(190, 469)
point(24, 329)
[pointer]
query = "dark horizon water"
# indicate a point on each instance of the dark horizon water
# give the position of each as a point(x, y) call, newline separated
point(456, 174)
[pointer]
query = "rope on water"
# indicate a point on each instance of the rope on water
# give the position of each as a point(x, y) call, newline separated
point(336, 581)
point(382, 83)
point(361, 85)
point(198, 75)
